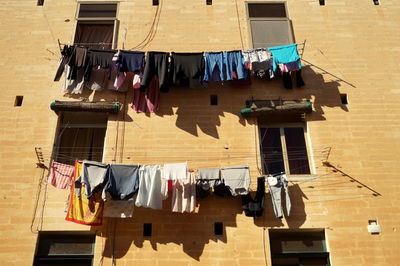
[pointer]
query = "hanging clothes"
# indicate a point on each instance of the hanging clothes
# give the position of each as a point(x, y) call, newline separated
point(261, 62)
point(184, 194)
point(214, 66)
point(254, 207)
point(123, 181)
point(285, 54)
point(235, 64)
point(99, 59)
point(237, 179)
point(130, 61)
point(156, 65)
point(276, 184)
point(147, 101)
point(286, 59)
point(152, 188)
point(187, 69)
point(93, 177)
point(60, 175)
point(174, 171)
point(119, 208)
point(73, 86)
point(207, 178)
point(82, 210)
point(66, 55)
point(77, 61)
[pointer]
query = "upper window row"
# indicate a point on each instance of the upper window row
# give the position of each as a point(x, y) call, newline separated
point(97, 25)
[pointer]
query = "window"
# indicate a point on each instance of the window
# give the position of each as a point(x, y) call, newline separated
point(321, 2)
point(40, 2)
point(284, 149)
point(298, 247)
point(155, 3)
point(80, 137)
point(270, 25)
point(97, 25)
point(343, 98)
point(65, 248)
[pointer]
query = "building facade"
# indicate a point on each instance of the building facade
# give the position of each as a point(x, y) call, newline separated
point(341, 159)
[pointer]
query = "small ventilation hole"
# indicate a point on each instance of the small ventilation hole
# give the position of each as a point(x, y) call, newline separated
point(213, 99)
point(218, 229)
point(147, 230)
point(18, 100)
point(343, 98)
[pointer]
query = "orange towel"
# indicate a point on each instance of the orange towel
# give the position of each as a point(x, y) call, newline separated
point(84, 210)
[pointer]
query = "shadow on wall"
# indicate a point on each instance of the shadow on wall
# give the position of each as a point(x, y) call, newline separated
point(194, 112)
point(297, 216)
point(191, 231)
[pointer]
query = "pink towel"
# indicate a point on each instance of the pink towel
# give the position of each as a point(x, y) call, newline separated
point(146, 101)
point(184, 194)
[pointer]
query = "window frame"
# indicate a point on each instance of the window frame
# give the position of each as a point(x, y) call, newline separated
point(281, 127)
point(250, 19)
point(300, 254)
point(49, 235)
point(61, 127)
point(98, 20)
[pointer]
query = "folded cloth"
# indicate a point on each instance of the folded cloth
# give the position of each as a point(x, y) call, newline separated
point(119, 208)
point(93, 176)
point(123, 181)
point(61, 175)
point(237, 179)
point(173, 171)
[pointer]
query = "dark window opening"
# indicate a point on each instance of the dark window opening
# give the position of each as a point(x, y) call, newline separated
point(343, 98)
point(296, 151)
point(97, 11)
point(65, 248)
point(271, 10)
point(321, 2)
point(214, 99)
point(284, 150)
point(18, 100)
point(155, 2)
point(298, 247)
point(218, 229)
point(95, 34)
point(97, 26)
point(81, 137)
point(147, 230)
point(272, 150)
point(209, 2)
point(40, 2)
point(376, 2)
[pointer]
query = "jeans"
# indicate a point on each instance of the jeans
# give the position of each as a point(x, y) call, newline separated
point(276, 194)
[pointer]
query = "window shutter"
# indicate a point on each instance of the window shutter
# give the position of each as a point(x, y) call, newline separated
point(268, 33)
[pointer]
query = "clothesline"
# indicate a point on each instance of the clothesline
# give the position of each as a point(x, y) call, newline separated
point(104, 43)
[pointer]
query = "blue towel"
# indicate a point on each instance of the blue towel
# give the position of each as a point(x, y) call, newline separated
point(285, 54)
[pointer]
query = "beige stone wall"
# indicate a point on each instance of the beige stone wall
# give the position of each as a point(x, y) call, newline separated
point(352, 47)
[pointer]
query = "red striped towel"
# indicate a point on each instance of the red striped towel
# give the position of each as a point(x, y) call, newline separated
point(60, 175)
